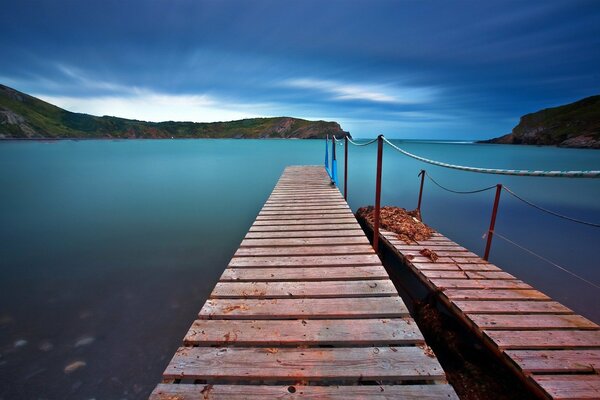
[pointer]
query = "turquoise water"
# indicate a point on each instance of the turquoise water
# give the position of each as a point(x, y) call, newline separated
point(108, 249)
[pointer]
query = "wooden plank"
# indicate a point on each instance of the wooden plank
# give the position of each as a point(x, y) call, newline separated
point(360, 307)
point(307, 241)
point(283, 217)
point(511, 307)
point(302, 213)
point(335, 392)
point(556, 361)
point(283, 290)
point(545, 339)
point(349, 220)
point(562, 387)
point(338, 332)
point(454, 267)
point(444, 253)
point(320, 227)
point(305, 261)
point(531, 321)
point(443, 284)
point(315, 202)
point(495, 294)
point(292, 364)
point(303, 208)
point(305, 234)
point(304, 250)
point(402, 247)
point(459, 274)
point(304, 274)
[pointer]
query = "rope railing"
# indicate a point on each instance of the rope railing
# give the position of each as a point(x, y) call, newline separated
point(533, 253)
point(499, 187)
point(362, 144)
point(497, 171)
point(458, 191)
point(549, 211)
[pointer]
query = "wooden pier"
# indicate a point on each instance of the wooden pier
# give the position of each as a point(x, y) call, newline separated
point(305, 309)
point(553, 350)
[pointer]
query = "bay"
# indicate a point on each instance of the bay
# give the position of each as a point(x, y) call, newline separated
point(108, 249)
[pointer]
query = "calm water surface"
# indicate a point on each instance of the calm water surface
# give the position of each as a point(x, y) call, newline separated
point(108, 249)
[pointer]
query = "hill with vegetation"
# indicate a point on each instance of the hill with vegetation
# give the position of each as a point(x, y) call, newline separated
point(26, 117)
point(572, 125)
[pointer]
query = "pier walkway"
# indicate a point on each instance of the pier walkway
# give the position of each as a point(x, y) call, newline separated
point(555, 351)
point(305, 309)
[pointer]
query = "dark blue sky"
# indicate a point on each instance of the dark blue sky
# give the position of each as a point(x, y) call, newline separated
point(428, 69)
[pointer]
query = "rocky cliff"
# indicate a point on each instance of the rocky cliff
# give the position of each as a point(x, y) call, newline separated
point(572, 125)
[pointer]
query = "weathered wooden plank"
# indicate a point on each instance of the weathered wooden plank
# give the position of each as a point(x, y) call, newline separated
point(453, 247)
point(444, 253)
point(339, 233)
point(447, 260)
point(443, 284)
point(458, 274)
point(338, 332)
point(545, 339)
point(435, 266)
point(359, 307)
point(302, 213)
point(305, 261)
point(532, 321)
point(283, 290)
point(298, 202)
point(349, 220)
point(562, 387)
point(511, 307)
point(556, 361)
point(307, 241)
point(304, 274)
point(319, 227)
point(284, 217)
point(336, 392)
point(303, 208)
point(304, 250)
point(495, 294)
point(292, 364)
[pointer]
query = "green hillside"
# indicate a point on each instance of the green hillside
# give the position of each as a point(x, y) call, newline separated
point(24, 116)
point(573, 125)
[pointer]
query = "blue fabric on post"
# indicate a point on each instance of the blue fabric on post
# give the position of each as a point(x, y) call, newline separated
point(327, 155)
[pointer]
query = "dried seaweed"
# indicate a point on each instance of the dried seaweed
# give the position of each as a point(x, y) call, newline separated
point(406, 224)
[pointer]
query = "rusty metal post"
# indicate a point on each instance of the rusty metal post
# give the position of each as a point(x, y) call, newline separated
point(422, 175)
point(377, 193)
point(346, 167)
point(492, 222)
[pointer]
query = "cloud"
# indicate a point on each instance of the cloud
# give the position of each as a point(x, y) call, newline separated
point(376, 93)
point(151, 106)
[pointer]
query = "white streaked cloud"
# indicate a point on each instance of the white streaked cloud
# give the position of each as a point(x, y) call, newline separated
point(151, 106)
point(376, 93)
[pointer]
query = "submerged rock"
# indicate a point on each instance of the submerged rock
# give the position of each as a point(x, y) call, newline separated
point(84, 341)
point(74, 366)
point(20, 343)
point(45, 346)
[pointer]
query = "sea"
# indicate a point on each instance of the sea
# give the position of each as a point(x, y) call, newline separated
point(108, 249)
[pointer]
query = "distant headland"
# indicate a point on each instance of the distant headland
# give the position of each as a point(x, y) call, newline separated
point(572, 125)
point(26, 117)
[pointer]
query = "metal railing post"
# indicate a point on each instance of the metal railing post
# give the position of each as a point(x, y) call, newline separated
point(492, 222)
point(377, 193)
point(346, 167)
point(333, 162)
point(422, 175)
